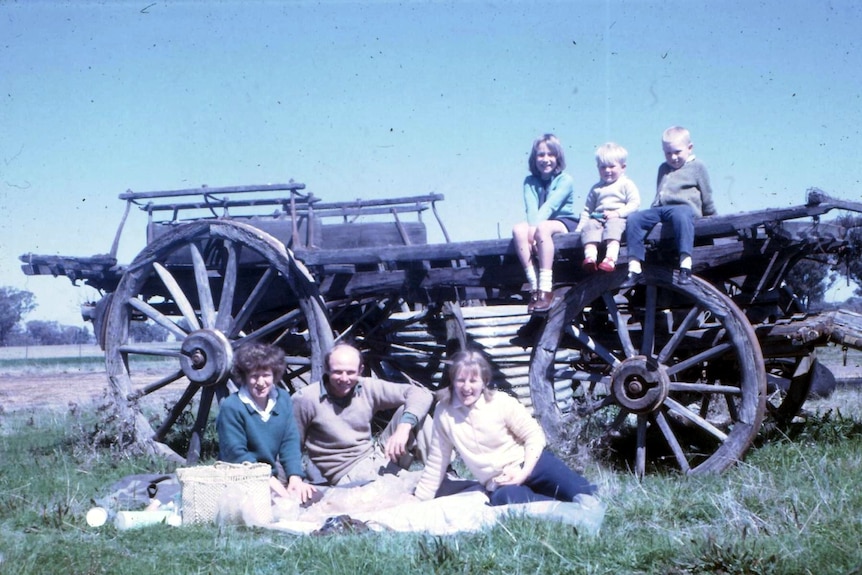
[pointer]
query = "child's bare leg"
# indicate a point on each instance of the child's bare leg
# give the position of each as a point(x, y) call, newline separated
point(545, 233)
point(522, 234)
point(591, 251)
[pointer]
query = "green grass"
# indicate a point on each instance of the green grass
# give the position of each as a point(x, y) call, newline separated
point(794, 506)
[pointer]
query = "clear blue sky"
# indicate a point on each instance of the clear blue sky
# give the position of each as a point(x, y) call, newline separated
point(378, 99)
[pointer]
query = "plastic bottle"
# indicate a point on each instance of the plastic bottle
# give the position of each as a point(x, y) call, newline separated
point(133, 519)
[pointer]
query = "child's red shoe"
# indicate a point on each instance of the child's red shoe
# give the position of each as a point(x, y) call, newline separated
point(608, 265)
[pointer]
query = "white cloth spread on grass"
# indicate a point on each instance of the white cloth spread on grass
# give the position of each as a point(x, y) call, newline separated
point(465, 512)
point(376, 506)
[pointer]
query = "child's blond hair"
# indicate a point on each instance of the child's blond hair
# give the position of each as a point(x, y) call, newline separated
point(611, 153)
point(676, 134)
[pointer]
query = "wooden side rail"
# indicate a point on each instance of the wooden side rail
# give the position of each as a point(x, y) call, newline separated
point(292, 187)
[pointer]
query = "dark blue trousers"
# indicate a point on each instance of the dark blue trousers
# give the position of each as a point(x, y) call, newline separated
point(639, 224)
point(551, 479)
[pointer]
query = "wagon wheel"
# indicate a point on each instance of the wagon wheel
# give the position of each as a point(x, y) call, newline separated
point(214, 286)
point(660, 370)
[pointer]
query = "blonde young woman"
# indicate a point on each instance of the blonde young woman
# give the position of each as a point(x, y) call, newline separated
point(497, 439)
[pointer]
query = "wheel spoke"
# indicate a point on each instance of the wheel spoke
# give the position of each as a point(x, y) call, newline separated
point(694, 418)
point(157, 317)
point(578, 375)
point(176, 411)
point(731, 405)
point(704, 388)
point(621, 322)
point(701, 357)
point(687, 323)
point(371, 308)
point(157, 385)
point(672, 442)
point(595, 406)
point(169, 349)
point(200, 425)
point(649, 322)
point(619, 419)
point(180, 299)
point(251, 303)
point(202, 280)
point(276, 324)
point(225, 308)
point(590, 344)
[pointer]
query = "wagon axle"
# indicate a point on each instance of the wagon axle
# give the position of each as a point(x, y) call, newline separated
point(207, 357)
point(639, 385)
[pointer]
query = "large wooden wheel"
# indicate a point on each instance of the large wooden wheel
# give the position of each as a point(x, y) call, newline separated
point(662, 373)
point(214, 286)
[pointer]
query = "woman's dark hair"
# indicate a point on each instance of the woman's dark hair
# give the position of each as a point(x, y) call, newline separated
point(255, 356)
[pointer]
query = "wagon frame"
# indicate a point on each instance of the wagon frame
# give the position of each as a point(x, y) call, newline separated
point(693, 368)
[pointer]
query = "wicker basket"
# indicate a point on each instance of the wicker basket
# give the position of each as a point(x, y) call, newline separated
point(234, 491)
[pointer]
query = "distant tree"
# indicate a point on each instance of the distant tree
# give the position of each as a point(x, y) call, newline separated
point(851, 257)
point(146, 331)
point(807, 279)
point(853, 304)
point(14, 304)
point(78, 335)
point(41, 332)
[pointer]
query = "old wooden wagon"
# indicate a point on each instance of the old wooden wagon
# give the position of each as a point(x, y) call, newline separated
point(657, 371)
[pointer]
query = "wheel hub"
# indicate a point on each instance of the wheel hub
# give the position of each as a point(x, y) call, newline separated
point(207, 357)
point(639, 384)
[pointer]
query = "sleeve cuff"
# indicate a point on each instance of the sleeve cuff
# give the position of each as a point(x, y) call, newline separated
point(408, 417)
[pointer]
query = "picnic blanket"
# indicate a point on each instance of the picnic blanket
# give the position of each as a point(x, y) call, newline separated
point(380, 505)
point(462, 512)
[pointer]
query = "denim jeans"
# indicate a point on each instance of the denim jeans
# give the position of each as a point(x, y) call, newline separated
point(551, 479)
point(681, 218)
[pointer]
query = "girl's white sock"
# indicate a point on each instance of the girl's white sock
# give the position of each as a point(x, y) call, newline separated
point(531, 278)
point(546, 280)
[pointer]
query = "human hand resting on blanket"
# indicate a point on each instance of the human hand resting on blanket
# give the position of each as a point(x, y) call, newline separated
point(396, 445)
point(512, 475)
point(296, 488)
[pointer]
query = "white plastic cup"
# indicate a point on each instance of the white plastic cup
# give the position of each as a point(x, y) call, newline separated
point(133, 519)
point(97, 516)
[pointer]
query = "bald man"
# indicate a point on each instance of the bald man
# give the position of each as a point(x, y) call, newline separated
point(334, 417)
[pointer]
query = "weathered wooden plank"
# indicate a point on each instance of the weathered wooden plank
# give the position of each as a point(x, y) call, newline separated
point(498, 312)
point(513, 322)
point(505, 351)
